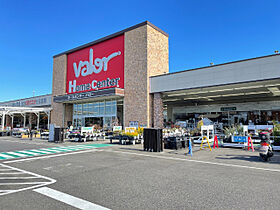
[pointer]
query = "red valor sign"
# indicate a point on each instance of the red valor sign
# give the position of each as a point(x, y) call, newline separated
point(97, 67)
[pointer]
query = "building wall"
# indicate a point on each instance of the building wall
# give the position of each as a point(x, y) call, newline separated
point(250, 70)
point(158, 64)
point(146, 54)
point(58, 88)
point(135, 76)
point(158, 111)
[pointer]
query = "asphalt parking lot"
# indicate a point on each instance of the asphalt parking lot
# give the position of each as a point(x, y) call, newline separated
point(126, 177)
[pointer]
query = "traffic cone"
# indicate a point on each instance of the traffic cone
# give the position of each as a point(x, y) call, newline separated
point(216, 142)
point(250, 144)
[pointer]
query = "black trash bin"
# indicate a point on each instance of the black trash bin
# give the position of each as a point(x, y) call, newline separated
point(58, 135)
point(153, 140)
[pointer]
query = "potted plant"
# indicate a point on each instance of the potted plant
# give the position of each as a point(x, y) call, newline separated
point(276, 133)
point(229, 132)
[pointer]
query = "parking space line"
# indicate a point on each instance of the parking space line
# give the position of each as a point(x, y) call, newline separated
point(23, 183)
point(12, 173)
point(198, 161)
point(18, 182)
point(24, 177)
point(69, 199)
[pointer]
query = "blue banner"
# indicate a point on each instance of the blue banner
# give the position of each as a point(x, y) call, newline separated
point(240, 139)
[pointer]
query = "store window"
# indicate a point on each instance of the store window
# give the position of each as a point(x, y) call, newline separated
point(101, 108)
point(101, 112)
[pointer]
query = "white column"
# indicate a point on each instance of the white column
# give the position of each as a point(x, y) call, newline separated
point(3, 121)
point(38, 120)
point(12, 121)
point(48, 113)
point(24, 119)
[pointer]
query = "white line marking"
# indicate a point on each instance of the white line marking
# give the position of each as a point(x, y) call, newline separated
point(6, 169)
point(49, 150)
point(39, 151)
point(50, 156)
point(12, 173)
point(5, 190)
point(17, 154)
point(49, 180)
point(31, 153)
point(23, 177)
point(6, 156)
point(199, 161)
point(23, 183)
point(69, 199)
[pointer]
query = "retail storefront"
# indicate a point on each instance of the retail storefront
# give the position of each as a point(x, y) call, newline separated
point(122, 79)
point(106, 82)
point(31, 112)
point(244, 92)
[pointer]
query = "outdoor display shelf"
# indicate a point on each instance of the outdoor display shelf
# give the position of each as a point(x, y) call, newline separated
point(123, 139)
point(175, 143)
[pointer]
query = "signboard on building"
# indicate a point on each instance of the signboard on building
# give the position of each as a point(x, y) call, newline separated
point(226, 109)
point(117, 128)
point(96, 67)
point(37, 101)
point(130, 129)
point(133, 124)
point(239, 139)
point(87, 130)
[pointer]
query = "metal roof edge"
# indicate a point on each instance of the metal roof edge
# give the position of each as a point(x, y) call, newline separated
point(204, 67)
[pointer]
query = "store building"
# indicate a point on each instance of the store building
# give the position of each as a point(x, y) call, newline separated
point(123, 79)
point(107, 82)
point(245, 91)
point(27, 112)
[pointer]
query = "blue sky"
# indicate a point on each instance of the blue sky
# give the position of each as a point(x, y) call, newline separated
point(200, 32)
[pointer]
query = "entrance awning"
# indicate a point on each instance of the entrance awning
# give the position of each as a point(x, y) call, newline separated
point(68, 98)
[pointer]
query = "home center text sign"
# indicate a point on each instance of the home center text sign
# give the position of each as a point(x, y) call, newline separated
point(96, 67)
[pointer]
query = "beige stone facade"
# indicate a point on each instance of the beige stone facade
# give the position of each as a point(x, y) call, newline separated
point(145, 55)
point(58, 88)
point(158, 110)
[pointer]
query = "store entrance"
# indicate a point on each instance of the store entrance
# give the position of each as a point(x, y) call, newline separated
point(94, 121)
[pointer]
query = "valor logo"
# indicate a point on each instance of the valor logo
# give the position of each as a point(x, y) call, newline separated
point(96, 67)
point(93, 68)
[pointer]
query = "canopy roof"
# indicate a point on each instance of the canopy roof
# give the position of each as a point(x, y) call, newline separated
point(22, 110)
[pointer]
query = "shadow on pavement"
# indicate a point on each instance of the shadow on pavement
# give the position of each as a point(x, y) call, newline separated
point(256, 158)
